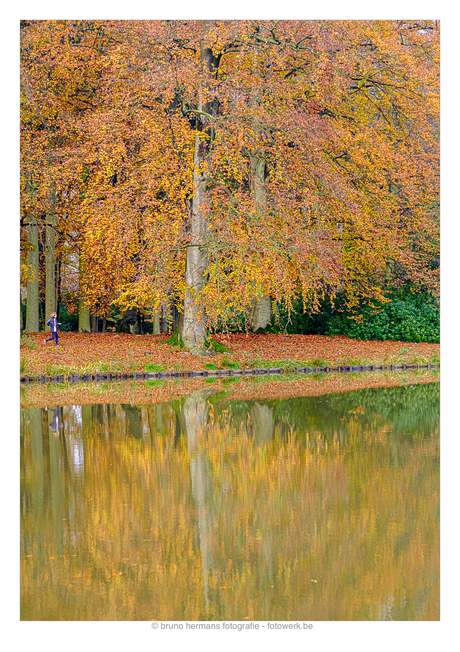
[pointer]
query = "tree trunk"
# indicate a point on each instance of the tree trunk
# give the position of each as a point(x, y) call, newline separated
point(58, 283)
point(50, 262)
point(261, 314)
point(32, 314)
point(94, 324)
point(84, 324)
point(156, 323)
point(164, 320)
point(193, 331)
point(261, 310)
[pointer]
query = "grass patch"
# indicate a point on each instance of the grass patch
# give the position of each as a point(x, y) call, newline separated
point(28, 341)
point(228, 381)
point(227, 363)
point(155, 383)
point(211, 366)
point(317, 362)
point(153, 367)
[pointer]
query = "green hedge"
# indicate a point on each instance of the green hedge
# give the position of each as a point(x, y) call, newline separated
point(407, 318)
point(410, 319)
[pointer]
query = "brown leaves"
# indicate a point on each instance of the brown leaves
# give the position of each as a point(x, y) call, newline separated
point(124, 353)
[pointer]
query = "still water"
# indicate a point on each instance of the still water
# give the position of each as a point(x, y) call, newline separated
point(318, 508)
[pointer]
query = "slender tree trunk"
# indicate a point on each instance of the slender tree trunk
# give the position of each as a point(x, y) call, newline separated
point(84, 324)
point(261, 309)
point(50, 261)
point(32, 314)
point(94, 323)
point(156, 323)
point(58, 284)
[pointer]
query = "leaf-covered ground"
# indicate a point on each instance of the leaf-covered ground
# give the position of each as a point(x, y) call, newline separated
point(124, 353)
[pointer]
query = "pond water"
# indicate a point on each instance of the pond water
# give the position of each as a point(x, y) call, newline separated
point(318, 508)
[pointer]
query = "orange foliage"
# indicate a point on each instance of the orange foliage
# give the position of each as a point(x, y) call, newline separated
point(344, 114)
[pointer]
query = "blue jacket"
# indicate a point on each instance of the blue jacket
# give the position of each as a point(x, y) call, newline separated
point(53, 324)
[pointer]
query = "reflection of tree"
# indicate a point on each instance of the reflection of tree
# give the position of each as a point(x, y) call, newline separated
point(37, 456)
point(156, 530)
point(134, 419)
point(56, 501)
point(195, 415)
point(263, 424)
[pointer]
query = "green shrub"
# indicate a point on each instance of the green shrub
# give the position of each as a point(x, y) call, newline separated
point(408, 319)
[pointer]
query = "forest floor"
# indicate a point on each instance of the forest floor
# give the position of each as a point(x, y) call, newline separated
point(100, 353)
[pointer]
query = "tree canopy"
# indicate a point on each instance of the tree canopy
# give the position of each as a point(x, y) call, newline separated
point(215, 162)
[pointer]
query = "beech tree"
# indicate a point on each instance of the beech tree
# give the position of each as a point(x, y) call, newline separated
point(228, 162)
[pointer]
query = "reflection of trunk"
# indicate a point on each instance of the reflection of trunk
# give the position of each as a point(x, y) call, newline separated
point(50, 261)
point(194, 417)
point(134, 419)
point(32, 320)
point(158, 419)
point(87, 419)
point(263, 424)
point(56, 501)
point(267, 554)
point(36, 440)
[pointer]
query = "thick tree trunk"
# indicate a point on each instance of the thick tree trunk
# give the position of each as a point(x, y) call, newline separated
point(193, 325)
point(193, 329)
point(261, 314)
point(50, 263)
point(32, 314)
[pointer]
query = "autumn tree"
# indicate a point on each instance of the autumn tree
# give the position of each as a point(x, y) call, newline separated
point(227, 162)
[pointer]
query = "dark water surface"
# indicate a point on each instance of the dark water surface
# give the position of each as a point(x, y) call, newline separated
point(319, 508)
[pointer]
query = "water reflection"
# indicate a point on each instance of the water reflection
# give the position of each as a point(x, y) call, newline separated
point(302, 509)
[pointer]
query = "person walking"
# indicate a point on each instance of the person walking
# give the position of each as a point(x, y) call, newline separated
point(53, 324)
